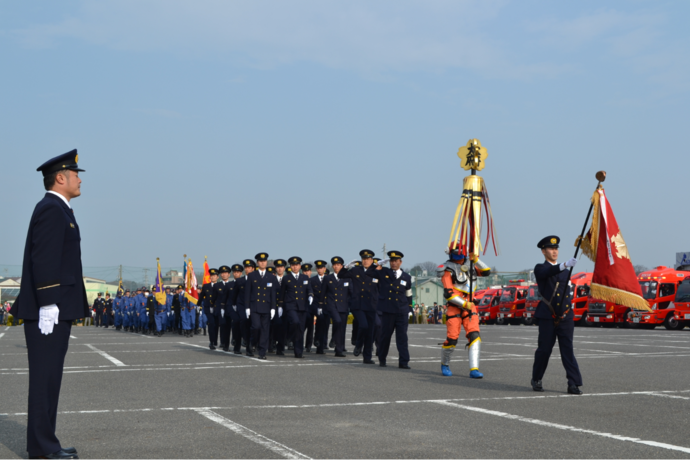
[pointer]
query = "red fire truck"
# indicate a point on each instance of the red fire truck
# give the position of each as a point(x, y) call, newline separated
point(533, 298)
point(580, 291)
point(511, 306)
point(682, 303)
point(659, 289)
point(487, 307)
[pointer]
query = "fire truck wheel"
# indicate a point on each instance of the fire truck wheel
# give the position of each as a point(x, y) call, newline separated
point(501, 321)
point(672, 324)
point(528, 321)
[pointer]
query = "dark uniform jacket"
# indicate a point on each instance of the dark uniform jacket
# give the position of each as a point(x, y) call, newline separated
point(365, 288)
point(260, 294)
point(52, 271)
point(99, 305)
point(547, 276)
point(108, 304)
point(176, 304)
point(151, 306)
point(395, 294)
point(316, 288)
point(225, 295)
point(335, 296)
point(207, 298)
point(295, 292)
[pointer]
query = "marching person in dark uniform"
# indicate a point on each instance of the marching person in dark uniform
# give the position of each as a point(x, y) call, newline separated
point(296, 298)
point(363, 303)
point(395, 304)
point(99, 306)
point(108, 310)
point(223, 289)
point(52, 295)
point(555, 316)
point(279, 323)
point(207, 300)
point(177, 309)
point(260, 302)
point(242, 310)
point(335, 296)
point(151, 308)
point(323, 318)
point(311, 313)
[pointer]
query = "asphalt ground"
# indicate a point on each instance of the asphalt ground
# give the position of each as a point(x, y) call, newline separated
point(125, 395)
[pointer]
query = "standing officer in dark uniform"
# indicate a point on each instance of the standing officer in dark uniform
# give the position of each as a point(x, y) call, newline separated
point(335, 297)
point(279, 323)
point(207, 300)
point(108, 310)
point(260, 295)
point(363, 303)
point(311, 313)
point(52, 295)
point(395, 304)
point(296, 297)
point(242, 310)
point(177, 309)
point(223, 289)
point(555, 316)
point(99, 306)
point(323, 318)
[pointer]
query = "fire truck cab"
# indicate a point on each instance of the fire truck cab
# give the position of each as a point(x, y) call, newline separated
point(659, 287)
point(487, 307)
point(511, 306)
point(533, 298)
point(682, 303)
point(580, 283)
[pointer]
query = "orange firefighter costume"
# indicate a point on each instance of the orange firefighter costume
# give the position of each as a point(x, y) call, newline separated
point(455, 275)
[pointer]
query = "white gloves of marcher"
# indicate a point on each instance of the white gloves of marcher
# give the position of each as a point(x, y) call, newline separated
point(273, 313)
point(319, 311)
point(234, 307)
point(222, 312)
point(384, 261)
point(210, 309)
point(311, 299)
point(351, 264)
point(409, 315)
point(280, 313)
point(570, 263)
point(247, 311)
point(48, 318)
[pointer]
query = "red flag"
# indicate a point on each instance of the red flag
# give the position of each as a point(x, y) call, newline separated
point(191, 292)
point(614, 278)
point(207, 275)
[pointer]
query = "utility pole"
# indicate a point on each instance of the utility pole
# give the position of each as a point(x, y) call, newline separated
point(384, 251)
point(146, 277)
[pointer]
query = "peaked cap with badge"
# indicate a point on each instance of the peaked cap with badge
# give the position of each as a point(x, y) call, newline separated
point(549, 242)
point(366, 253)
point(66, 161)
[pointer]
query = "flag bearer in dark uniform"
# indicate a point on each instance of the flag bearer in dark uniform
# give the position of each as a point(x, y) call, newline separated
point(52, 295)
point(207, 300)
point(260, 295)
point(555, 316)
point(225, 287)
point(99, 306)
point(239, 305)
point(151, 309)
point(363, 303)
point(335, 296)
point(296, 297)
point(311, 313)
point(323, 318)
point(108, 310)
point(395, 304)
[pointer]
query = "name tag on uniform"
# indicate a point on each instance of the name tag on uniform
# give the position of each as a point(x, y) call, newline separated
point(306, 282)
point(269, 284)
point(403, 282)
point(375, 280)
point(346, 284)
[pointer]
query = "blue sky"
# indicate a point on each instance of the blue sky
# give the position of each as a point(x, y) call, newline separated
point(319, 128)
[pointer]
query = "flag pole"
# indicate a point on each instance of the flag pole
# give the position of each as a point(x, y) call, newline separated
point(471, 241)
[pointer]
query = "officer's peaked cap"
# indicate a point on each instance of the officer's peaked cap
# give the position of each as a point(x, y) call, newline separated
point(248, 263)
point(306, 267)
point(320, 263)
point(60, 163)
point(366, 253)
point(295, 260)
point(224, 269)
point(337, 260)
point(237, 268)
point(261, 256)
point(395, 254)
point(279, 263)
point(213, 271)
point(549, 242)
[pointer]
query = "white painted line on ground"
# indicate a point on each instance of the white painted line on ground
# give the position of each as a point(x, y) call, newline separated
point(115, 361)
point(274, 446)
point(72, 337)
point(653, 393)
point(565, 427)
point(2, 335)
point(263, 361)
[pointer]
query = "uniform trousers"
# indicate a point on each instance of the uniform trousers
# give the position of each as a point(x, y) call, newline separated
point(127, 319)
point(321, 330)
point(339, 327)
point(548, 333)
point(296, 321)
point(377, 331)
point(366, 321)
point(188, 319)
point(160, 320)
point(394, 322)
point(309, 328)
point(201, 320)
point(355, 329)
point(99, 318)
point(118, 319)
point(261, 323)
point(277, 331)
point(46, 355)
point(225, 329)
point(213, 327)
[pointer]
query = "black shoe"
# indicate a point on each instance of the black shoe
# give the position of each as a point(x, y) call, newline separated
point(308, 350)
point(70, 450)
point(340, 355)
point(226, 348)
point(249, 353)
point(320, 352)
point(331, 344)
point(204, 331)
point(404, 366)
point(212, 347)
point(299, 356)
point(382, 364)
point(369, 362)
point(244, 343)
point(574, 390)
point(237, 352)
point(280, 353)
point(536, 385)
point(358, 351)
point(316, 343)
point(262, 357)
point(58, 454)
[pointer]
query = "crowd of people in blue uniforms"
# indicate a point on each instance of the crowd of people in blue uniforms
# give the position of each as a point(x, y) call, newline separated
point(285, 306)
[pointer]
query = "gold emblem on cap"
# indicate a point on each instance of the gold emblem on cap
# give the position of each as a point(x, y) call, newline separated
point(76, 159)
point(554, 240)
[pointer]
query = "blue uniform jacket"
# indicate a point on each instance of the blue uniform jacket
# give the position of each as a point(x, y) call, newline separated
point(316, 288)
point(395, 294)
point(335, 296)
point(260, 294)
point(52, 271)
point(295, 292)
point(207, 298)
point(119, 304)
point(547, 276)
point(365, 291)
point(238, 296)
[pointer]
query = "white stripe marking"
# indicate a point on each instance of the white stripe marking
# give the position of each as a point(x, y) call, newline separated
point(264, 361)
point(2, 335)
point(72, 337)
point(274, 446)
point(115, 361)
point(668, 396)
point(565, 427)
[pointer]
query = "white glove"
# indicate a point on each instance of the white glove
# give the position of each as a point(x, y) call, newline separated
point(234, 308)
point(409, 315)
point(48, 318)
point(319, 311)
point(273, 313)
point(210, 309)
point(384, 261)
point(280, 313)
point(222, 312)
point(147, 313)
point(311, 299)
point(247, 311)
point(570, 263)
point(351, 264)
